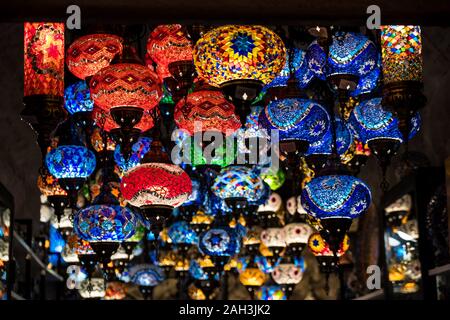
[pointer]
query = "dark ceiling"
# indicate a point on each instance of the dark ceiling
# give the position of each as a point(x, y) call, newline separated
point(423, 12)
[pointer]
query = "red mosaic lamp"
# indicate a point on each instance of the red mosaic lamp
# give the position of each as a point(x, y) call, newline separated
point(43, 78)
point(156, 188)
point(171, 49)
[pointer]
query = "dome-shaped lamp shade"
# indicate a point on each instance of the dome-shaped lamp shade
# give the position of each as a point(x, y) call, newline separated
point(252, 277)
point(44, 59)
point(344, 139)
point(209, 111)
point(146, 275)
point(235, 52)
point(297, 233)
point(89, 54)
point(77, 98)
point(70, 162)
point(125, 85)
point(181, 232)
point(218, 242)
point(238, 182)
point(287, 274)
point(273, 204)
point(105, 223)
point(314, 63)
point(401, 50)
point(104, 120)
point(156, 184)
point(296, 119)
point(168, 44)
point(369, 122)
point(270, 292)
point(351, 54)
point(319, 247)
point(336, 196)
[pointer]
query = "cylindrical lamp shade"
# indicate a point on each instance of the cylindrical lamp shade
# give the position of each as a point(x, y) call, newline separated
point(70, 162)
point(44, 59)
point(105, 223)
point(167, 44)
point(125, 85)
point(234, 52)
point(401, 52)
point(89, 54)
point(156, 184)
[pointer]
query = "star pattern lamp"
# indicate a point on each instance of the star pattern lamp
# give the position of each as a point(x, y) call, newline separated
point(240, 60)
point(43, 78)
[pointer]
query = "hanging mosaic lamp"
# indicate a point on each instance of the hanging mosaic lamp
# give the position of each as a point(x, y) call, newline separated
point(71, 165)
point(238, 186)
point(56, 195)
point(379, 129)
point(401, 53)
point(319, 151)
point(206, 110)
point(336, 199)
point(287, 275)
point(300, 122)
point(296, 237)
point(270, 292)
point(89, 54)
point(182, 235)
point(327, 258)
point(252, 278)
point(146, 276)
point(239, 60)
point(170, 48)
point(274, 239)
point(77, 101)
point(267, 212)
point(220, 243)
point(43, 78)
point(273, 179)
point(156, 188)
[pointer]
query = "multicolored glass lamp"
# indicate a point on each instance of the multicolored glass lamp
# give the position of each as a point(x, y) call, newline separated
point(182, 235)
point(401, 54)
point(240, 60)
point(252, 278)
point(270, 292)
point(287, 275)
point(327, 258)
point(43, 79)
point(156, 188)
point(336, 198)
point(171, 49)
point(239, 187)
point(105, 224)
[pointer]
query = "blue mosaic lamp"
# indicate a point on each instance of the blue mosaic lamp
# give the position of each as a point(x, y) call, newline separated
point(98, 223)
point(146, 276)
point(298, 120)
point(239, 186)
point(335, 199)
point(71, 165)
point(270, 292)
point(220, 243)
point(77, 98)
point(336, 196)
point(351, 56)
point(370, 122)
point(380, 130)
point(138, 150)
point(70, 162)
point(369, 82)
point(182, 234)
point(344, 139)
